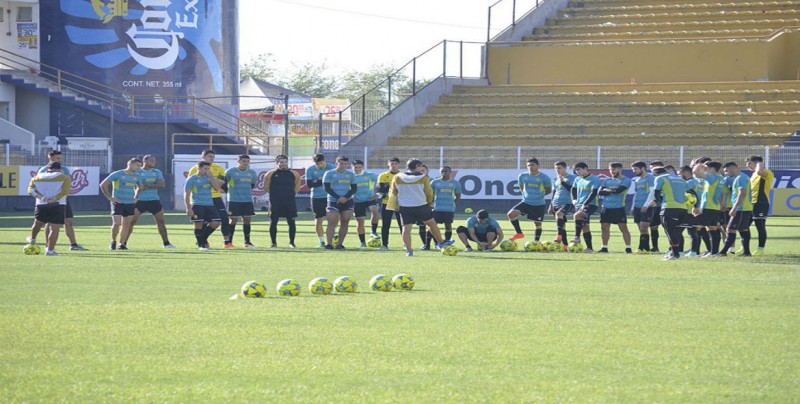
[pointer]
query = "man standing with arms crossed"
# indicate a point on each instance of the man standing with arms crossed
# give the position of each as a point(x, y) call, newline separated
point(585, 191)
point(446, 193)
point(127, 185)
point(241, 180)
point(217, 171)
point(384, 183)
point(149, 201)
point(282, 185)
point(643, 183)
point(340, 185)
point(319, 198)
point(561, 205)
point(534, 186)
point(50, 190)
point(366, 199)
point(761, 184)
point(200, 204)
point(613, 191)
point(55, 156)
point(741, 213)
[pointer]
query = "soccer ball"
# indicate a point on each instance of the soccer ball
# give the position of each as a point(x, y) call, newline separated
point(508, 245)
point(288, 287)
point(575, 248)
point(335, 241)
point(468, 210)
point(557, 246)
point(374, 243)
point(345, 284)
point(403, 282)
point(253, 289)
point(320, 286)
point(32, 249)
point(690, 200)
point(546, 246)
point(531, 246)
point(381, 283)
point(450, 250)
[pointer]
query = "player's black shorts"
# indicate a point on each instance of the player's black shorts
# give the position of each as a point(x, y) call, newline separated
point(481, 236)
point(205, 214)
point(319, 207)
point(565, 210)
point(741, 221)
point(68, 211)
point(152, 207)
point(647, 217)
point(708, 217)
point(50, 213)
point(533, 212)
point(122, 209)
point(283, 208)
point(361, 208)
point(411, 215)
point(590, 210)
point(613, 215)
point(220, 205)
point(241, 209)
point(688, 220)
point(673, 217)
point(341, 207)
point(760, 211)
point(443, 217)
point(724, 218)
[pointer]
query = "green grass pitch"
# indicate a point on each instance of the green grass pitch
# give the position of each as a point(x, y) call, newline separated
point(154, 325)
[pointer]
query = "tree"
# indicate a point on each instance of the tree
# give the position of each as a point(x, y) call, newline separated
point(311, 80)
point(259, 67)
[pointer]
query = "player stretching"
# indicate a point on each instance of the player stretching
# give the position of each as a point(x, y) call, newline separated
point(241, 180)
point(282, 184)
point(218, 172)
point(741, 213)
point(613, 190)
point(585, 191)
point(534, 186)
point(200, 204)
point(127, 185)
point(761, 184)
point(366, 199)
point(50, 190)
point(561, 205)
point(55, 156)
point(340, 184)
point(384, 183)
point(319, 199)
point(412, 195)
point(483, 230)
point(149, 201)
point(446, 193)
point(708, 213)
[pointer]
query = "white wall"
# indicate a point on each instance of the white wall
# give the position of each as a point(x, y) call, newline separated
point(8, 94)
point(33, 112)
point(10, 25)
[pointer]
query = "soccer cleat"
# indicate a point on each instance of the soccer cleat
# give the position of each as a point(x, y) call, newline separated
point(30, 240)
point(681, 254)
point(112, 246)
point(374, 235)
point(444, 244)
point(170, 247)
point(670, 257)
point(362, 245)
point(655, 251)
point(204, 248)
point(249, 245)
point(707, 255)
point(383, 248)
point(328, 247)
point(642, 252)
point(603, 251)
point(292, 245)
point(123, 247)
point(692, 254)
point(468, 249)
point(628, 251)
point(273, 246)
point(340, 247)
point(77, 247)
point(322, 244)
point(745, 255)
point(516, 236)
point(229, 245)
point(409, 253)
point(52, 253)
point(588, 251)
point(722, 254)
point(425, 248)
point(759, 252)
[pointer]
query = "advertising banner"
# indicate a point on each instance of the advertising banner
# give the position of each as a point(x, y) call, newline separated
point(299, 109)
point(491, 184)
point(27, 35)
point(330, 108)
point(9, 181)
point(168, 47)
point(85, 180)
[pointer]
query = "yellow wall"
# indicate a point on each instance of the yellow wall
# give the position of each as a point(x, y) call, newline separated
point(778, 59)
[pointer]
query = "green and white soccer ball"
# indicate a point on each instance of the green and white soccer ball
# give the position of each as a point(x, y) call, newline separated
point(320, 286)
point(547, 246)
point(381, 283)
point(253, 289)
point(557, 246)
point(335, 241)
point(31, 249)
point(374, 243)
point(531, 246)
point(403, 282)
point(575, 248)
point(508, 245)
point(450, 250)
point(288, 287)
point(345, 284)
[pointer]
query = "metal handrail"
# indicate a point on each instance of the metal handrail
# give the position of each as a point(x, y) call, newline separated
point(489, 37)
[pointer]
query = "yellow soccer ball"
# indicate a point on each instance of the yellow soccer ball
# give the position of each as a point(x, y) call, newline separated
point(403, 282)
point(31, 249)
point(345, 284)
point(253, 289)
point(575, 248)
point(508, 245)
point(320, 286)
point(374, 243)
point(531, 246)
point(381, 283)
point(288, 287)
point(450, 251)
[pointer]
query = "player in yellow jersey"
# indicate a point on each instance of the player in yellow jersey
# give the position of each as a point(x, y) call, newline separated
point(217, 171)
point(761, 184)
point(384, 182)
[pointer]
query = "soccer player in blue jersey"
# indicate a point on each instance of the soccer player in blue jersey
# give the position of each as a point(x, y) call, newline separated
point(561, 205)
point(340, 185)
point(727, 182)
point(585, 191)
point(612, 206)
point(200, 204)
point(127, 185)
point(534, 187)
point(741, 213)
point(319, 198)
point(366, 199)
point(643, 183)
point(693, 187)
point(55, 156)
point(669, 192)
point(446, 193)
point(218, 172)
point(708, 212)
point(485, 231)
point(149, 201)
point(282, 184)
point(241, 180)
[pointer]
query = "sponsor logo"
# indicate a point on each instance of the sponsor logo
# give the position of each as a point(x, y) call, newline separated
point(259, 188)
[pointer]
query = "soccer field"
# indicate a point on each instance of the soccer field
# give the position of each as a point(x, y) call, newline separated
point(155, 325)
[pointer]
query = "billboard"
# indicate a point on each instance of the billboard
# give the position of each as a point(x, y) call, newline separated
point(169, 47)
point(14, 180)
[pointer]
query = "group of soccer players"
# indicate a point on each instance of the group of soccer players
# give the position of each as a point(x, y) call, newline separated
point(712, 201)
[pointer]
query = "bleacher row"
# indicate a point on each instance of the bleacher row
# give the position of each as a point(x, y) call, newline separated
point(655, 113)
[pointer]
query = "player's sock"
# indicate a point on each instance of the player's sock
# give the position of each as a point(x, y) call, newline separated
point(578, 228)
point(696, 242)
point(705, 237)
point(447, 235)
point(375, 228)
point(231, 229)
point(587, 238)
point(538, 234)
point(716, 236)
point(422, 234)
point(362, 238)
point(693, 236)
point(207, 234)
point(560, 223)
point(515, 223)
point(198, 234)
point(246, 230)
point(563, 233)
point(428, 238)
point(654, 238)
point(745, 241)
point(642, 245)
point(761, 226)
point(273, 231)
point(292, 229)
point(728, 242)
